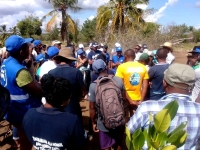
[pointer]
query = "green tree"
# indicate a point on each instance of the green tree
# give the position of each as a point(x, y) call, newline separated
point(29, 26)
point(196, 35)
point(88, 30)
point(14, 30)
point(119, 14)
point(61, 7)
point(150, 28)
point(3, 34)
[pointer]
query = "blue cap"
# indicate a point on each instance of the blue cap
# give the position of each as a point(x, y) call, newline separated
point(36, 43)
point(118, 49)
point(98, 66)
point(14, 42)
point(52, 51)
point(40, 58)
point(80, 51)
point(196, 49)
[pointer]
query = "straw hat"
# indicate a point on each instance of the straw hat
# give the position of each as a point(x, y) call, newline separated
point(67, 53)
point(168, 45)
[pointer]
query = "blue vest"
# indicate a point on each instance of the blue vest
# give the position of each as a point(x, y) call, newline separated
point(20, 100)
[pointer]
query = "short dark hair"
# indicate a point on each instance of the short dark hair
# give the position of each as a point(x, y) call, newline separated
point(162, 53)
point(130, 53)
point(56, 90)
point(102, 57)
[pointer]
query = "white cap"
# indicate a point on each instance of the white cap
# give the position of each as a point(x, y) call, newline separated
point(102, 44)
point(145, 51)
point(117, 45)
point(80, 46)
point(56, 42)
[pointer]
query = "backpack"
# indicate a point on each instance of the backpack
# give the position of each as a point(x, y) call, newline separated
point(109, 102)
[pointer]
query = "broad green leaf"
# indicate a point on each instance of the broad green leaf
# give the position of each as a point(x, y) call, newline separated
point(128, 134)
point(172, 108)
point(139, 141)
point(175, 136)
point(181, 140)
point(179, 128)
point(129, 144)
point(155, 145)
point(162, 121)
point(136, 134)
point(151, 131)
point(146, 135)
point(169, 147)
point(162, 139)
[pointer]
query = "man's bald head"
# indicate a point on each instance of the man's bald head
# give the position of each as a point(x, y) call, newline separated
point(129, 54)
point(162, 53)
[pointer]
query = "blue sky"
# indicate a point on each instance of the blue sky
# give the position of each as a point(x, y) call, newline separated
point(166, 11)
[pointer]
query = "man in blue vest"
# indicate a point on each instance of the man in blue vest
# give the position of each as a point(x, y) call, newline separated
point(22, 87)
point(117, 59)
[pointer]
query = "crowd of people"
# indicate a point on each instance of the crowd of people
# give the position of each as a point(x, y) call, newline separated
point(47, 83)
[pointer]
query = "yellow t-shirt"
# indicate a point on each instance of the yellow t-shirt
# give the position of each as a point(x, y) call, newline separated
point(133, 74)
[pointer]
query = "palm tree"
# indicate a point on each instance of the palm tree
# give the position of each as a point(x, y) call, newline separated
point(60, 8)
point(3, 34)
point(117, 14)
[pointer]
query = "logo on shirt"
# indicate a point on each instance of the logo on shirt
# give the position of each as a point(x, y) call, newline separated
point(95, 57)
point(135, 79)
point(3, 76)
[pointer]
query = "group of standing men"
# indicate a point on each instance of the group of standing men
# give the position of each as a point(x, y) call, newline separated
point(139, 74)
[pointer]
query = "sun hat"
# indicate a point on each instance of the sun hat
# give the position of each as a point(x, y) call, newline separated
point(180, 73)
point(118, 49)
point(98, 66)
point(168, 45)
point(80, 51)
point(67, 53)
point(40, 58)
point(56, 42)
point(144, 56)
point(52, 51)
point(36, 42)
point(14, 42)
point(139, 45)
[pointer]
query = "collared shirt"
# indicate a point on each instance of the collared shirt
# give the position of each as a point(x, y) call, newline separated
point(170, 58)
point(196, 89)
point(187, 111)
point(116, 59)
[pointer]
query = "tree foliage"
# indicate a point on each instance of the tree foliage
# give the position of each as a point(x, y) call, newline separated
point(30, 25)
point(61, 7)
point(88, 30)
point(120, 14)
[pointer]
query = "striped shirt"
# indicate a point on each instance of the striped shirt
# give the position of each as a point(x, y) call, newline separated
point(188, 111)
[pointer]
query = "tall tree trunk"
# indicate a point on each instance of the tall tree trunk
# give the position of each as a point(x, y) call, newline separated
point(63, 25)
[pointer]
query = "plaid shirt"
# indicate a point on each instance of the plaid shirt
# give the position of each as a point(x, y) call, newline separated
point(187, 111)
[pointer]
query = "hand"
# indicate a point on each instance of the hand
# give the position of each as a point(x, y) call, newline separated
point(94, 126)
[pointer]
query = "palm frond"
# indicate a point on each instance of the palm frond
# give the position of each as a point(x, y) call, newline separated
point(51, 23)
point(51, 13)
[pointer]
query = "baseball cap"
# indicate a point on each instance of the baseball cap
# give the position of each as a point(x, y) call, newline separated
point(144, 56)
point(36, 42)
point(14, 42)
point(180, 73)
point(94, 44)
point(56, 42)
point(98, 66)
point(144, 46)
point(118, 49)
point(40, 58)
point(80, 51)
point(196, 49)
point(52, 51)
point(80, 46)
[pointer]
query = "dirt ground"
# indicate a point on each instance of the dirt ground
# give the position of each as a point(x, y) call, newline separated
point(6, 143)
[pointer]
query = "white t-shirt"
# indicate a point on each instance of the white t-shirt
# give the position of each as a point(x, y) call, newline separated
point(46, 67)
point(137, 56)
point(87, 51)
point(34, 53)
point(196, 89)
point(170, 58)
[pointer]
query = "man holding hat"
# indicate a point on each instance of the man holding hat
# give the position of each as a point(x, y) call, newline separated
point(194, 62)
point(66, 58)
point(178, 82)
point(117, 59)
point(22, 87)
point(170, 58)
point(57, 44)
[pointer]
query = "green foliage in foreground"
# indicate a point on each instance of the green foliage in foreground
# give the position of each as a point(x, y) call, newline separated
point(156, 135)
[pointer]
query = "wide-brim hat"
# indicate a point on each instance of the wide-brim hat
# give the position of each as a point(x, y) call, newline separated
point(67, 53)
point(196, 49)
point(168, 45)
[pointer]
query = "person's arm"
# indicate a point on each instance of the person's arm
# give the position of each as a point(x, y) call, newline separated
point(90, 60)
point(26, 82)
point(145, 85)
point(92, 106)
point(79, 78)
